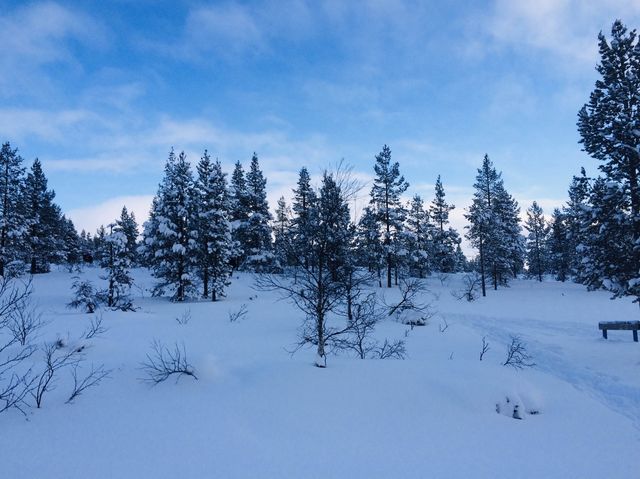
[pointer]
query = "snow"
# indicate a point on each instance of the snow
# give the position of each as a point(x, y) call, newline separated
point(258, 411)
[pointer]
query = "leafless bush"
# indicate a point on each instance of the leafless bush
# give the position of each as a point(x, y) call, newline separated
point(16, 378)
point(184, 318)
point(239, 314)
point(442, 327)
point(92, 378)
point(517, 356)
point(24, 322)
point(57, 356)
point(163, 363)
point(410, 309)
point(485, 347)
point(443, 277)
point(95, 328)
point(391, 350)
point(470, 287)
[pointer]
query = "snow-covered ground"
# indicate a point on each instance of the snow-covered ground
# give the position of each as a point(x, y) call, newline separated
point(257, 411)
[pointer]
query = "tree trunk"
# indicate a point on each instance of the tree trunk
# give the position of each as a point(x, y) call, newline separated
point(484, 286)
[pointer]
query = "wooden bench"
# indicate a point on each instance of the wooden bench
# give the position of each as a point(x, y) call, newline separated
point(620, 325)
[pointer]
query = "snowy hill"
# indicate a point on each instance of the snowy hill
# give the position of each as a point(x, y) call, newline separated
point(257, 411)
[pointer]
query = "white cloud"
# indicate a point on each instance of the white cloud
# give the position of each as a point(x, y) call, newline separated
point(89, 218)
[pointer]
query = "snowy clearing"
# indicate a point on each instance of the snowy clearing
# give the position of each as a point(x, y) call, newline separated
point(258, 411)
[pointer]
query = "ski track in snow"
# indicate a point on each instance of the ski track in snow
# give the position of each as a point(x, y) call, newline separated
point(554, 359)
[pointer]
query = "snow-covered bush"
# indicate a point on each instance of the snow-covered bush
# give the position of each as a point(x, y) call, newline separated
point(84, 296)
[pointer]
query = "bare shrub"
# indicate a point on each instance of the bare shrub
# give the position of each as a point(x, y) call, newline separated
point(517, 355)
point(56, 357)
point(485, 347)
point(82, 383)
point(238, 314)
point(411, 309)
point(391, 350)
point(470, 287)
point(184, 318)
point(162, 363)
point(95, 328)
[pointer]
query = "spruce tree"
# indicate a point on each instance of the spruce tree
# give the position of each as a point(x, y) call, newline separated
point(444, 238)
point(608, 125)
point(239, 213)
point(417, 237)
point(128, 226)
point(575, 213)
point(12, 221)
point(388, 186)
point(169, 234)
point(257, 233)
point(282, 233)
point(117, 266)
point(537, 255)
point(213, 228)
point(559, 247)
point(42, 218)
point(304, 210)
point(369, 248)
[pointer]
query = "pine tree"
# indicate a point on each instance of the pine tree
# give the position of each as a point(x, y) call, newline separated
point(239, 213)
point(536, 241)
point(304, 210)
point(257, 233)
point(169, 236)
point(213, 228)
point(42, 220)
point(494, 227)
point(417, 237)
point(282, 233)
point(128, 226)
point(71, 252)
point(574, 212)
point(559, 246)
point(117, 265)
point(369, 248)
point(609, 126)
point(11, 217)
point(388, 186)
point(444, 238)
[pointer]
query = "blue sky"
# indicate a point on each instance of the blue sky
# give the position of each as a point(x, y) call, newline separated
point(100, 91)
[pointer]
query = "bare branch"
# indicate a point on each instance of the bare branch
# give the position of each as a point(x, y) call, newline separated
point(163, 363)
point(81, 384)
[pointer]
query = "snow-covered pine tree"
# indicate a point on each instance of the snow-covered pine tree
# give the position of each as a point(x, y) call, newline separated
point(494, 228)
point(42, 219)
point(128, 225)
point(213, 228)
point(99, 246)
point(609, 127)
point(369, 249)
point(558, 247)
point(304, 210)
point(71, 252)
point(444, 238)
point(257, 233)
point(282, 234)
point(388, 186)
point(537, 254)
point(417, 235)
point(575, 212)
point(117, 266)
point(169, 236)
point(12, 221)
point(239, 214)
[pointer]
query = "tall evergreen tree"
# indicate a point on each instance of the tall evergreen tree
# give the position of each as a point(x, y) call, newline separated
point(117, 266)
point(42, 219)
point(559, 246)
point(445, 239)
point(417, 237)
point(574, 211)
point(304, 210)
point(282, 233)
point(368, 244)
point(169, 234)
point(239, 213)
point(494, 227)
point(609, 126)
point(213, 228)
point(128, 226)
point(388, 186)
point(257, 233)
point(11, 217)
point(537, 255)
